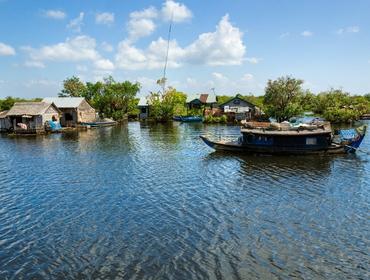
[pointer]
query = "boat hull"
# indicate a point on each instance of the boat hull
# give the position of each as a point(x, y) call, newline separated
point(255, 149)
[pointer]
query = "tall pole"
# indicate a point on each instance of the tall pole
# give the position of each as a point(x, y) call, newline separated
point(167, 51)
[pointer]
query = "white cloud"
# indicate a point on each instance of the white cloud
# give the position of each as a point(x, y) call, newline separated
point(106, 47)
point(76, 49)
point(76, 23)
point(6, 50)
point(247, 77)
point(284, 35)
point(349, 29)
point(219, 76)
point(141, 23)
point(132, 58)
point(138, 28)
point(34, 64)
point(55, 14)
point(45, 83)
point(253, 60)
point(222, 47)
point(104, 18)
point(104, 64)
point(178, 12)
point(307, 33)
point(81, 68)
point(150, 12)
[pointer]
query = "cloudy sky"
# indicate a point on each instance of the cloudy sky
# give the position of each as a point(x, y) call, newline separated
point(231, 46)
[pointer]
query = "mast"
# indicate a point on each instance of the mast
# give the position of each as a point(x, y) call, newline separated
point(166, 60)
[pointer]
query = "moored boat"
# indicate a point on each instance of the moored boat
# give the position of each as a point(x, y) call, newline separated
point(284, 139)
point(187, 118)
point(99, 123)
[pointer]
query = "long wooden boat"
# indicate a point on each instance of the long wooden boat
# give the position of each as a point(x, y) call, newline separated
point(99, 123)
point(188, 118)
point(311, 139)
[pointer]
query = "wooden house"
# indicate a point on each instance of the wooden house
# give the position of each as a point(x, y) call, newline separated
point(74, 110)
point(4, 122)
point(198, 101)
point(239, 109)
point(31, 117)
point(143, 106)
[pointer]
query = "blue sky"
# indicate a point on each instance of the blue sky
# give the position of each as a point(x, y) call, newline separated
point(232, 46)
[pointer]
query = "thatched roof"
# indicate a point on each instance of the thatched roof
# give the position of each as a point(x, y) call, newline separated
point(3, 114)
point(29, 108)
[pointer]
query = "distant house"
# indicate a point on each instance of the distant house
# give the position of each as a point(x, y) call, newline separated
point(143, 106)
point(74, 110)
point(31, 117)
point(4, 122)
point(197, 101)
point(239, 108)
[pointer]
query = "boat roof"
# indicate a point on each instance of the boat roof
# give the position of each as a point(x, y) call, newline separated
point(296, 132)
point(287, 130)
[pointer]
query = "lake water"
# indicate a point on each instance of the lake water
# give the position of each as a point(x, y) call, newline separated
point(139, 201)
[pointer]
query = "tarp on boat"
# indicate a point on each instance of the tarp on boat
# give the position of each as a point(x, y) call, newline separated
point(348, 134)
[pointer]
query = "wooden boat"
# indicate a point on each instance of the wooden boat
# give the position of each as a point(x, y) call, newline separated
point(99, 123)
point(191, 119)
point(177, 118)
point(276, 139)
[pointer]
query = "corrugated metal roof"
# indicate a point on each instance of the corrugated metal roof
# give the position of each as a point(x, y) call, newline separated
point(203, 97)
point(64, 102)
point(28, 108)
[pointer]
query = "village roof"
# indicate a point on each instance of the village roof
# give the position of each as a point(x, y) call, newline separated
point(64, 102)
point(3, 114)
point(29, 108)
point(237, 97)
point(202, 97)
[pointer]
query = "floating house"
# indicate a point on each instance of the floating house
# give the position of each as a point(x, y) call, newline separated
point(75, 110)
point(239, 109)
point(143, 106)
point(197, 101)
point(31, 117)
point(4, 122)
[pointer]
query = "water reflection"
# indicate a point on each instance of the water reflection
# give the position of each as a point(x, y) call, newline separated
point(152, 201)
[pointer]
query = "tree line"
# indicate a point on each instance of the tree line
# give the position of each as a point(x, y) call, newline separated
point(284, 98)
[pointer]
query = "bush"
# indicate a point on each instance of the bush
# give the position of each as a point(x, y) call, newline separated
point(212, 119)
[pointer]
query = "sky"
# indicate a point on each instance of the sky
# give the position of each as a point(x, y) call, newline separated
point(226, 46)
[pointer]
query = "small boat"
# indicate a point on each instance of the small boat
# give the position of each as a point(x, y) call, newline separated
point(191, 119)
point(99, 123)
point(177, 118)
point(283, 139)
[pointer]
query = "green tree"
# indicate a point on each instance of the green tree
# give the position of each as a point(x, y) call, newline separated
point(113, 99)
point(281, 98)
point(164, 106)
point(73, 87)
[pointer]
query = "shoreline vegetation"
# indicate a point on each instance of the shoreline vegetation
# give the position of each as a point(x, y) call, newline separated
point(284, 98)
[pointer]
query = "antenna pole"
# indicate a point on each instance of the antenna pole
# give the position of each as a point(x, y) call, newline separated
point(167, 51)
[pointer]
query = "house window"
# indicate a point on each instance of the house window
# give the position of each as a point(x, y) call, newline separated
point(143, 110)
point(311, 141)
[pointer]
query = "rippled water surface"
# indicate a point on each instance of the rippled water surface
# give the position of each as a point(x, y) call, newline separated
point(138, 202)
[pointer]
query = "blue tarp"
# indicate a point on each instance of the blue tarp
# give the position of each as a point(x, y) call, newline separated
point(54, 126)
point(348, 134)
